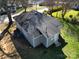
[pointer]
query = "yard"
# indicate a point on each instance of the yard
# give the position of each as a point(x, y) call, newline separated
point(68, 50)
point(70, 34)
point(13, 44)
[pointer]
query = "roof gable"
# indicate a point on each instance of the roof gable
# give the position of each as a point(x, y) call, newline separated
point(47, 25)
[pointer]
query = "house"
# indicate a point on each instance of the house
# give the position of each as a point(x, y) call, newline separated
point(76, 7)
point(11, 7)
point(39, 28)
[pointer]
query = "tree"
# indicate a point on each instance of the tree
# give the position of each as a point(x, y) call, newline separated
point(7, 12)
point(64, 10)
point(24, 3)
point(67, 4)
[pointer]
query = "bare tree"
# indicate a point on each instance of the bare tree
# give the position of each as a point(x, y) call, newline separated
point(7, 12)
point(24, 3)
point(67, 5)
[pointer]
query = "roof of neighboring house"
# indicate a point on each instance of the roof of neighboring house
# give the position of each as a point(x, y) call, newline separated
point(76, 7)
point(47, 25)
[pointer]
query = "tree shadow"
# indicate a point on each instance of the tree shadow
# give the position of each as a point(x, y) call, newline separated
point(7, 48)
point(27, 52)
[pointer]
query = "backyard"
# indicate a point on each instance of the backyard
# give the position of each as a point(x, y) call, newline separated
point(69, 38)
point(70, 34)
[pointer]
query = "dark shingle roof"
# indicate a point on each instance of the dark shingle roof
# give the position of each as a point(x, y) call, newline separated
point(34, 20)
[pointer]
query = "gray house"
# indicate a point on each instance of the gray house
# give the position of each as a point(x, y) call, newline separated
point(39, 28)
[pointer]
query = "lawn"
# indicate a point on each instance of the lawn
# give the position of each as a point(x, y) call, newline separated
point(18, 10)
point(70, 34)
point(70, 12)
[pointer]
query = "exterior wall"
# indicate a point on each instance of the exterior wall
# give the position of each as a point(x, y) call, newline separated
point(37, 41)
point(34, 42)
point(25, 34)
point(40, 39)
point(44, 41)
point(56, 37)
point(50, 41)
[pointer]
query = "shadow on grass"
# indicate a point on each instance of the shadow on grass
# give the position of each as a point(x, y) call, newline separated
point(27, 52)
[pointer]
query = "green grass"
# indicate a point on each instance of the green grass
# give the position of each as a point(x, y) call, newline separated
point(18, 10)
point(70, 12)
point(70, 33)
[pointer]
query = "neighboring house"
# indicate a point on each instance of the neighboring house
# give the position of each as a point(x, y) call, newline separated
point(12, 7)
point(39, 28)
point(76, 7)
point(18, 5)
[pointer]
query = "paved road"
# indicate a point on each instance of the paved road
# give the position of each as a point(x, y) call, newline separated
point(13, 15)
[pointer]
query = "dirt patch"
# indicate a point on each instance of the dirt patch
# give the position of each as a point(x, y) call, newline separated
point(7, 48)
